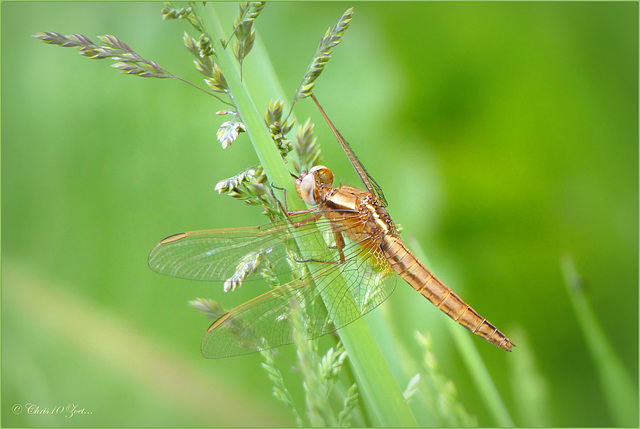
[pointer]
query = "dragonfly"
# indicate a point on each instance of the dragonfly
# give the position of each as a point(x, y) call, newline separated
point(343, 255)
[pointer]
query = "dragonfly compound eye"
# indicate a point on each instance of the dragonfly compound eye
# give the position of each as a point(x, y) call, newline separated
point(308, 189)
point(322, 174)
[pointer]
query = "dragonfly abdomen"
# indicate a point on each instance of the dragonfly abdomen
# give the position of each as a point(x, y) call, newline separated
point(424, 281)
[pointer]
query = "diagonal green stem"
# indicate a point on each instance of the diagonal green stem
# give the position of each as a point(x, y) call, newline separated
point(382, 394)
point(481, 376)
point(621, 395)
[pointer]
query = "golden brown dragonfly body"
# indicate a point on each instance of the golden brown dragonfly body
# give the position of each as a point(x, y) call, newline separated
point(350, 272)
point(374, 229)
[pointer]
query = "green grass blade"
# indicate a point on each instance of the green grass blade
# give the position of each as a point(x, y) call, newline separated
point(529, 385)
point(480, 375)
point(620, 393)
point(404, 366)
point(375, 380)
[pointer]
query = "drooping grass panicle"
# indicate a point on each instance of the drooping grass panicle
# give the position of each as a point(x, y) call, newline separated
point(307, 361)
point(320, 374)
point(442, 391)
point(247, 266)
point(204, 63)
point(229, 131)
point(349, 404)
point(412, 388)
point(306, 148)
point(278, 128)
point(332, 37)
point(247, 13)
point(204, 54)
point(330, 366)
point(243, 30)
point(170, 12)
point(250, 186)
point(209, 307)
point(205, 47)
point(217, 81)
point(280, 391)
point(127, 60)
point(269, 275)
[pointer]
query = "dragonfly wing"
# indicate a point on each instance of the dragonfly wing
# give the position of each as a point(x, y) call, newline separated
point(368, 181)
point(219, 255)
point(216, 255)
point(348, 290)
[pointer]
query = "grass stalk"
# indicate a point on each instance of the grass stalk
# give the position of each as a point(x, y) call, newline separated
point(529, 385)
point(480, 375)
point(620, 394)
point(375, 379)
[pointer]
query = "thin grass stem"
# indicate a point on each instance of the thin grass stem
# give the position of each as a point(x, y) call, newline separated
point(620, 394)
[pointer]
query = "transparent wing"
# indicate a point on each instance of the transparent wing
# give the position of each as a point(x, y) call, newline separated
point(368, 181)
point(332, 295)
point(349, 286)
point(224, 254)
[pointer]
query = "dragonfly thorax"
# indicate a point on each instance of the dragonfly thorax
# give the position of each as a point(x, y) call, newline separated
point(315, 187)
point(377, 221)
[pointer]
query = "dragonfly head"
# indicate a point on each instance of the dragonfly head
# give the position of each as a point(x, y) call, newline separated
point(309, 183)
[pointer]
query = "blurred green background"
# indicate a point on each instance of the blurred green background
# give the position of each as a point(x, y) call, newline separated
point(504, 135)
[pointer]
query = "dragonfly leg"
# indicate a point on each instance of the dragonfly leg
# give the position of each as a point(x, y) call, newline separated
point(285, 209)
point(337, 235)
point(302, 222)
point(320, 261)
point(283, 205)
